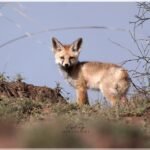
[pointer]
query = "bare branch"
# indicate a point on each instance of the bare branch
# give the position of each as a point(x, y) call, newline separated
point(59, 29)
point(118, 44)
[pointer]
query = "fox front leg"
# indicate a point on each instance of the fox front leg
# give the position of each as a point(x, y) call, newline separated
point(82, 97)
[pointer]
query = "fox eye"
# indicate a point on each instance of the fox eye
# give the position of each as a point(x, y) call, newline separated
point(72, 57)
point(74, 50)
point(62, 57)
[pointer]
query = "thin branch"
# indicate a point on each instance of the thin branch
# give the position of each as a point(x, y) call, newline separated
point(136, 43)
point(118, 44)
point(58, 29)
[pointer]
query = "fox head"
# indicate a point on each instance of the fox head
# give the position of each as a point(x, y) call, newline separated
point(66, 55)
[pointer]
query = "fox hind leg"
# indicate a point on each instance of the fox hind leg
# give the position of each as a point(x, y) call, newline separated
point(111, 94)
point(114, 96)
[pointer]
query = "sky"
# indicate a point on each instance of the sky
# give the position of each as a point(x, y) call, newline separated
point(32, 57)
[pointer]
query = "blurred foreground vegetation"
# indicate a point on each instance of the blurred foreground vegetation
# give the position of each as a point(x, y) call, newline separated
point(36, 123)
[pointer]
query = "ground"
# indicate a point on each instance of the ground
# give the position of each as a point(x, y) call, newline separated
point(32, 116)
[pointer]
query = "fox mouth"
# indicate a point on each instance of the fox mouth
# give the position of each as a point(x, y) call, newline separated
point(66, 68)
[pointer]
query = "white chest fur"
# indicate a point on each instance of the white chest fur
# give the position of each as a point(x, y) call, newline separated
point(67, 77)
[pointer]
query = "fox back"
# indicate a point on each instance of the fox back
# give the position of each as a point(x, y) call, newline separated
point(111, 79)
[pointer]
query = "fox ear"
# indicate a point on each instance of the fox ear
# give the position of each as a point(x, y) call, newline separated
point(57, 46)
point(76, 45)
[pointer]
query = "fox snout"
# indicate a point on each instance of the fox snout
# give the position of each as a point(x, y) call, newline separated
point(66, 63)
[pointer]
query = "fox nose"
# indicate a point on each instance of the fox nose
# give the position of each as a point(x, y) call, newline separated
point(66, 65)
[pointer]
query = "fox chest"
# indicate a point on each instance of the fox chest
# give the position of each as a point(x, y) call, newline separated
point(69, 79)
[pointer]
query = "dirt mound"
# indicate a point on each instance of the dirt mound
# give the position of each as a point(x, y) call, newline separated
point(19, 89)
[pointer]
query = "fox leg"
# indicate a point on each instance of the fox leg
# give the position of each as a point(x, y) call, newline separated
point(115, 98)
point(82, 97)
point(109, 95)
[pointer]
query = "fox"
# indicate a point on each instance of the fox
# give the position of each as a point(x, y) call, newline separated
point(111, 79)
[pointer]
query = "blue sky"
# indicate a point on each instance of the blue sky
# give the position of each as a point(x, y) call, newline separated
point(32, 57)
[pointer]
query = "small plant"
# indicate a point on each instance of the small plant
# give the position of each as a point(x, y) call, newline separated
point(19, 78)
point(3, 77)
